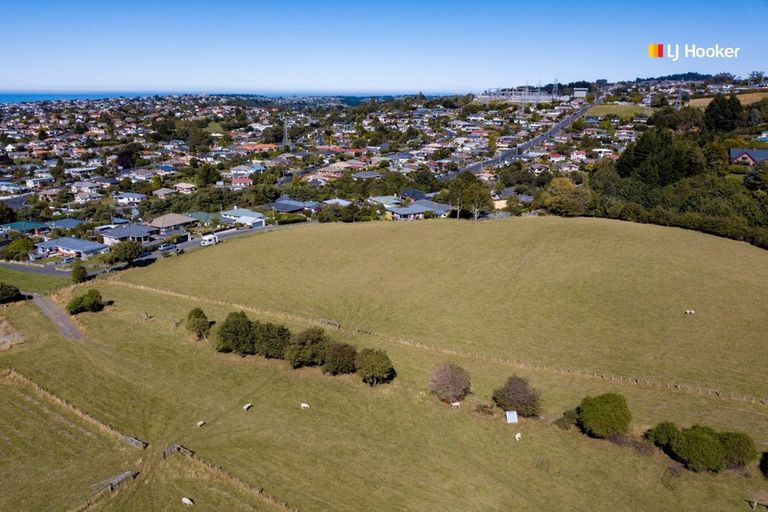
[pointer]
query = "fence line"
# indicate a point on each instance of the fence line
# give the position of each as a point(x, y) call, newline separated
point(696, 389)
point(91, 420)
point(257, 492)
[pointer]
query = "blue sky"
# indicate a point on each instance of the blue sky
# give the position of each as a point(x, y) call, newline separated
point(344, 46)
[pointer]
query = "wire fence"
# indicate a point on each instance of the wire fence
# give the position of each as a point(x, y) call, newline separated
point(639, 381)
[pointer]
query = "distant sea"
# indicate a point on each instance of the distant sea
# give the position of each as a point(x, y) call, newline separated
point(23, 97)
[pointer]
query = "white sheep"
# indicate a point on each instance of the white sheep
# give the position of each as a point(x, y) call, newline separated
point(304, 406)
point(200, 423)
point(187, 501)
point(455, 405)
point(518, 436)
point(247, 406)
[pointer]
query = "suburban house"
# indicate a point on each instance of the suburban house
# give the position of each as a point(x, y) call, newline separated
point(64, 223)
point(26, 227)
point(747, 156)
point(244, 216)
point(285, 204)
point(438, 209)
point(164, 193)
point(185, 188)
point(410, 212)
point(70, 247)
point(208, 219)
point(129, 198)
point(132, 232)
point(87, 197)
point(388, 201)
point(172, 221)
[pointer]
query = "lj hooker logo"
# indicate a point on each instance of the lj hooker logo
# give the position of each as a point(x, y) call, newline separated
point(691, 51)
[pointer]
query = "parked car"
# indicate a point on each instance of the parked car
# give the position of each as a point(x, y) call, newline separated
point(207, 240)
point(166, 247)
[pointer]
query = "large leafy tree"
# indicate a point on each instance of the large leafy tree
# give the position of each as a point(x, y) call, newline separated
point(723, 114)
point(467, 192)
point(658, 158)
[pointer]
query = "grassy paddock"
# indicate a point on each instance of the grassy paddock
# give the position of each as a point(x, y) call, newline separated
point(393, 447)
point(745, 99)
point(591, 294)
point(31, 282)
point(48, 456)
point(622, 111)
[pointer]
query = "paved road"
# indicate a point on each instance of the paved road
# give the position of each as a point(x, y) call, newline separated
point(511, 154)
point(48, 270)
point(57, 317)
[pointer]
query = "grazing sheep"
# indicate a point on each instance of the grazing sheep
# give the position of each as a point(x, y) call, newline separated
point(304, 406)
point(187, 501)
point(200, 423)
point(518, 436)
point(455, 405)
point(693, 312)
point(247, 406)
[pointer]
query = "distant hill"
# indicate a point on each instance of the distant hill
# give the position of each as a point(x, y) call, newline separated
point(690, 76)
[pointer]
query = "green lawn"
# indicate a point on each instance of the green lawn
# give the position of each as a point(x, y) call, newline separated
point(591, 294)
point(31, 282)
point(49, 457)
point(540, 285)
point(622, 111)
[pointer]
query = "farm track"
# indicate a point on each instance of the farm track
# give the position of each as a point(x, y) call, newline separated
point(58, 318)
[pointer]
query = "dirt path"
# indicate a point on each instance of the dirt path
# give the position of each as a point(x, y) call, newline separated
point(57, 317)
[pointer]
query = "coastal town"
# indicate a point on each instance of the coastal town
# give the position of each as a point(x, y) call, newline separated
point(78, 177)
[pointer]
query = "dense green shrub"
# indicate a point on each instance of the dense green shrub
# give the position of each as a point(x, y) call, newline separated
point(517, 395)
point(198, 323)
point(663, 434)
point(236, 334)
point(19, 249)
point(739, 448)
point(89, 301)
point(307, 348)
point(374, 366)
point(271, 340)
point(449, 382)
point(79, 273)
point(699, 449)
point(340, 358)
point(9, 293)
point(604, 415)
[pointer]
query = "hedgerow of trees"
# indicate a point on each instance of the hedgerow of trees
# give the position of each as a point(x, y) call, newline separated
point(310, 347)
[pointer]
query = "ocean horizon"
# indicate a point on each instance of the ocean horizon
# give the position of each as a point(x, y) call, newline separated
point(29, 97)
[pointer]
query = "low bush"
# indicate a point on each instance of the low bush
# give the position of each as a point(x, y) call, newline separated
point(89, 301)
point(604, 415)
point(9, 293)
point(517, 395)
point(198, 323)
point(449, 382)
point(339, 359)
point(662, 435)
point(270, 340)
point(374, 366)
point(740, 449)
point(79, 273)
point(699, 449)
point(236, 334)
point(307, 348)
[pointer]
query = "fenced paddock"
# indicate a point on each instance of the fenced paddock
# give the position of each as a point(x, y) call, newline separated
point(63, 454)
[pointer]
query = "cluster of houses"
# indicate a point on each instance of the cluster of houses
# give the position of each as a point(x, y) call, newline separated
point(67, 154)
